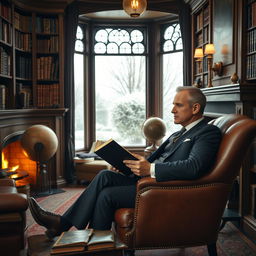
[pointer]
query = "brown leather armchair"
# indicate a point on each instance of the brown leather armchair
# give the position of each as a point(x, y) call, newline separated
point(13, 206)
point(185, 213)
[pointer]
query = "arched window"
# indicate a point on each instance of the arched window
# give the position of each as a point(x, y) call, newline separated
point(172, 62)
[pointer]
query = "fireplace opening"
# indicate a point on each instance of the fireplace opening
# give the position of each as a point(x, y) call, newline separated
point(14, 159)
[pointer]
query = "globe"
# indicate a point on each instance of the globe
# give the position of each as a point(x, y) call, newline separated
point(40, 142)
point(154, 129)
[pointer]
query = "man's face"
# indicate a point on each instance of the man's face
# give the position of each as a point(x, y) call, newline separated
point(183, 112)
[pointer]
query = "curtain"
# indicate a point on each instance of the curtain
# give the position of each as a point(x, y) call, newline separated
point(71, 22)
point(185, 27)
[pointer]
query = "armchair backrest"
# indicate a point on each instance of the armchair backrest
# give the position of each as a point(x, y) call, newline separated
point(238, 133)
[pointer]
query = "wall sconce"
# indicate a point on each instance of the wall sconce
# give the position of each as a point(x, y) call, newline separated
point(198, 55)
point(217, 67)
point(134, 8)
point(209, 50)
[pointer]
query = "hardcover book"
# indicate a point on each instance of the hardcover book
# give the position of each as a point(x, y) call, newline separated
point(115, 154)
point(101, 239)
point(72, 241)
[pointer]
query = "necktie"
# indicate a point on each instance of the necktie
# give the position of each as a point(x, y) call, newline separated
point(168, 147)
point(178, 135)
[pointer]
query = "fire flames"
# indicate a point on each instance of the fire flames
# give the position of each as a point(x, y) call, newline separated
point(5, 164)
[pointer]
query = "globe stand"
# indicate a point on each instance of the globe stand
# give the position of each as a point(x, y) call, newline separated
point(43, 179)
point(150, 149)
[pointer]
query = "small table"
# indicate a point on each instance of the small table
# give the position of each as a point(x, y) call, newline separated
point(40, 245)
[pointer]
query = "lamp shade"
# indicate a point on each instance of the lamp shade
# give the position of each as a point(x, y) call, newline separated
point(42, 136)
point(134, 8)
point(209, 49)
point(198, 53)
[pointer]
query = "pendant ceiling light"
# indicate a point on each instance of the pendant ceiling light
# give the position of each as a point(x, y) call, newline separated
point(134, 8)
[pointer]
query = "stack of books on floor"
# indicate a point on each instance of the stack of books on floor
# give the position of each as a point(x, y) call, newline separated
point(83, 240)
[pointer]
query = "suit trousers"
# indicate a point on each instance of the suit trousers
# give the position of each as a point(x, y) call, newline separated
point(108, 191)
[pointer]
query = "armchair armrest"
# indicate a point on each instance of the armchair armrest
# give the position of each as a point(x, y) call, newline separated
point(7, 182)
point(13, 202)
point(148, 182)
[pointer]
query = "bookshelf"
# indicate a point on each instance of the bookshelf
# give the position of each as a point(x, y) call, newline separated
point(251, 41)
point(31, 53)
point(201, 35)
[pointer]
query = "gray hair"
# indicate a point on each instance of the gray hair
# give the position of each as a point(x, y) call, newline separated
point(196, 96)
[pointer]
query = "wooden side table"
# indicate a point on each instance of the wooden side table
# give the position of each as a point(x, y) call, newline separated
point(39, 245)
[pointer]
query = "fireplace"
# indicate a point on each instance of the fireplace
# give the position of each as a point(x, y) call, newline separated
point(16, 161)
point(12, 125)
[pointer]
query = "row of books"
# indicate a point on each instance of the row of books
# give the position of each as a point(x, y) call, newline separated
point(23, 67)
point(47, 25)
point(48, 45)
point(202, 19)
point(5, 31)
point(23, 41)
point(22, 22)
point(251, 66)
point(5, 11)
point(48, 95)
point(253, 200)
point(251, 15)
point(2, 96)
point(47, 68)
point(5, 63)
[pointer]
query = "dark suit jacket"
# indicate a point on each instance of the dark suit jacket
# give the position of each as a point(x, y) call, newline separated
point(191, 156)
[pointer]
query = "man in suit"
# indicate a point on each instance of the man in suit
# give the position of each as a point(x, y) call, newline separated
point(187, 154)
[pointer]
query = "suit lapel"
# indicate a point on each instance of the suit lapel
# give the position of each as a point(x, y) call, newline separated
point(160, 150)
point(190, 133)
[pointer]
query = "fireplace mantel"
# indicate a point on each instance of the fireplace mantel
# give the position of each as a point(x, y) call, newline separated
point(14, 121)
point(230, 99)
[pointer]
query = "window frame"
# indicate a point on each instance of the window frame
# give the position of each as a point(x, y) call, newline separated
point(153, 72)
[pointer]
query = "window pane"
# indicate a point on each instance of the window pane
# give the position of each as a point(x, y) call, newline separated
point(120, 98)
point(79, 100)
point(172, 78)
point(79, 46)
point(79, 33)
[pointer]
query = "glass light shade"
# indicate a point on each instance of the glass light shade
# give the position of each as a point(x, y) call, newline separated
point(209, 49)
point(134, 8)
point(198, 53)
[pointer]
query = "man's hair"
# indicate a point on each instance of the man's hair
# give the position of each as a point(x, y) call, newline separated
point(196, 96)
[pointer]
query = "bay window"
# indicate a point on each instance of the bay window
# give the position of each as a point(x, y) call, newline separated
point(112, 81)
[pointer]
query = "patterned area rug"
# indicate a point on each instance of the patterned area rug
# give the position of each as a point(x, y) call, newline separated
point(231, 242)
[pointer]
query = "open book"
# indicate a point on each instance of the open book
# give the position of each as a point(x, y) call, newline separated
point(75, 241)
point(72, 241)
point(115, 154)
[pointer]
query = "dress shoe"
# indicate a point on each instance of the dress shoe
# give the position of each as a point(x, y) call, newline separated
point(49, 220)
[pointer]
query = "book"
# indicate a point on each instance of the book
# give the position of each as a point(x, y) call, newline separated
point(115, 154)
point(96, 144)
point(72, 241)
point(79, 160)
point(101, 239)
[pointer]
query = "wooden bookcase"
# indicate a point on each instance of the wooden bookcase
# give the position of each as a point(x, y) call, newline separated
point(31, 48)
point(251, 41)
point(201, 36)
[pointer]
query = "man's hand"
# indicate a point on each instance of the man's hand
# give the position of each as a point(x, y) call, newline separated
point(140, 167)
